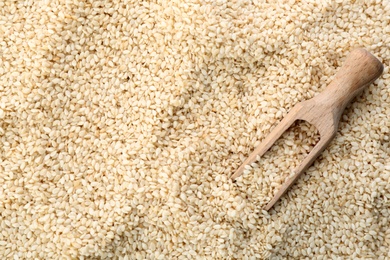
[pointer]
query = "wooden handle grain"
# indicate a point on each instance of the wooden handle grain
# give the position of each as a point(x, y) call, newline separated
point(323, 111)
point(359, 70)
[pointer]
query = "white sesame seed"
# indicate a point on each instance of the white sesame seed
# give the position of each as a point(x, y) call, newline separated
point(121, 122)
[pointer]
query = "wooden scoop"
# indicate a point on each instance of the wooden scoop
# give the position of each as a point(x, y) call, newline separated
point(323, 111)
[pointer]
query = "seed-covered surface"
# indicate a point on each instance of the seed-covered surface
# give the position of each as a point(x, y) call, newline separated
point(121, 122)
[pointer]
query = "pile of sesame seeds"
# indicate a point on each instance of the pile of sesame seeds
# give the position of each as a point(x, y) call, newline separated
point(122, 121)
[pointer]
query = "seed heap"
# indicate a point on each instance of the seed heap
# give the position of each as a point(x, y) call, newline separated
point(121, 122)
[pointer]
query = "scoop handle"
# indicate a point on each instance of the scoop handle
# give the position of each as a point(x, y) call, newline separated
point(359, 70)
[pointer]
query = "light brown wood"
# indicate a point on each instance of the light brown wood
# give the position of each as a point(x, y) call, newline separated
point(323, 111)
